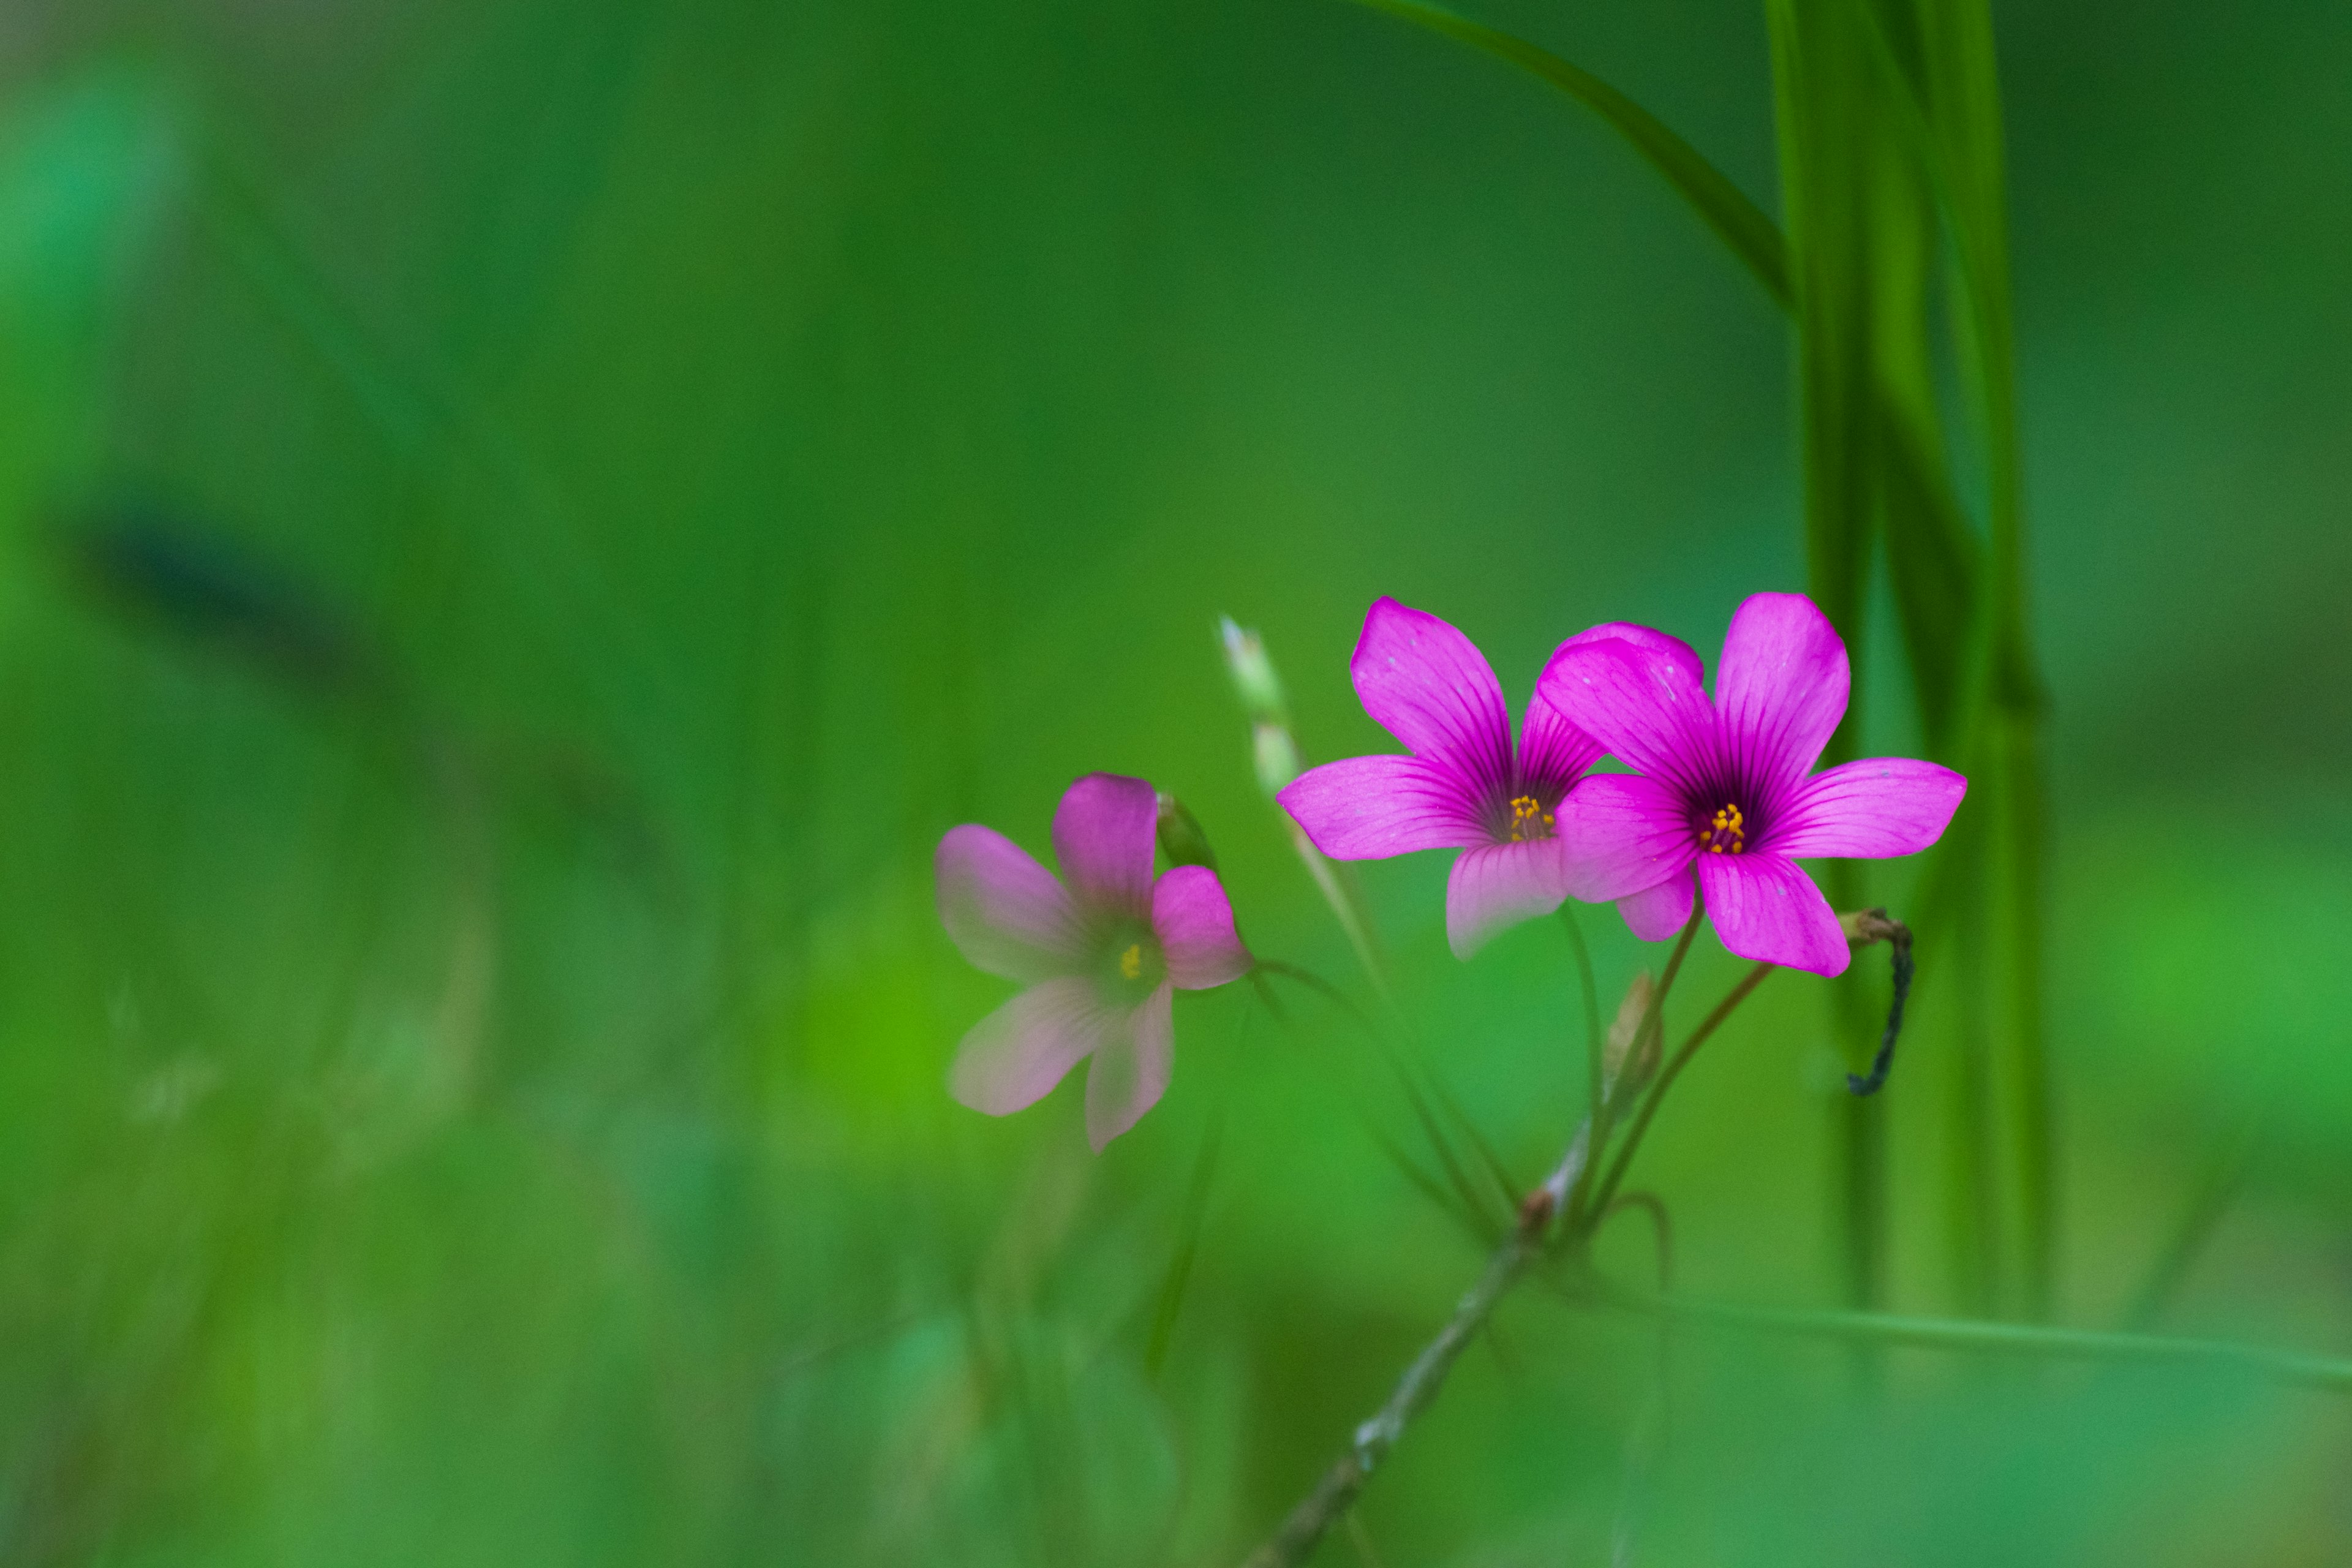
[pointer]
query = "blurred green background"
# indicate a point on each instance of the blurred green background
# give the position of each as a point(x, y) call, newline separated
point(521, 523)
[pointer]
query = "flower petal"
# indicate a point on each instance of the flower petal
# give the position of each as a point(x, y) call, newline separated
point(1497, 885)
point(1430, 686)
point(1130, 1072)
point(1195, 922)
point(1014, 1056)
point(1656, 913)
point(1780, 689)
point(1103, 835)
point(1648, 639)
point(1642, 700)
point(1006, 914)
point(1764, 907)
point(1553, 751)
point(1368, 808)
point(1876, 807)
point(1620, 834)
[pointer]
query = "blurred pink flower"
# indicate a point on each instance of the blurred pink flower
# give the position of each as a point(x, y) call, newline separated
point(1730, 784)
point(1464, 786)
point(1100, 956)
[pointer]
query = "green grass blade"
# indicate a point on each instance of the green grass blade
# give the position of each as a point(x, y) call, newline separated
point(1188, 1245)
point(1724, 207)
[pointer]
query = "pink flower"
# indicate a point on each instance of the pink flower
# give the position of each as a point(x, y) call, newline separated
point(1464, 786)
point(1730, 784)
point(1100, 957)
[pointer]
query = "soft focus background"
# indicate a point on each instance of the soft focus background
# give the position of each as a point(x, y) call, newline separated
point(524, 522)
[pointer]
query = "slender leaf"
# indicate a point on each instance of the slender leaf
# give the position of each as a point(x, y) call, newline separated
point(1741, 223)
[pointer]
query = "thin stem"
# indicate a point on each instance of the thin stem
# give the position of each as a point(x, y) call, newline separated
point(1595, 1043)
point(1657, 1095)
point(2225, 1174)
point(1336, 1492)
point(1652, 1022)
point(2291, 1367)
point(1416, 1098)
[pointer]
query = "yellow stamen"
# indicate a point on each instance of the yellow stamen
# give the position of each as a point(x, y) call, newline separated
point(1727, 830)
point(1131, 962)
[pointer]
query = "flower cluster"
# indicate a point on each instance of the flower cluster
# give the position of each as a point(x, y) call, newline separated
point(1720, 801)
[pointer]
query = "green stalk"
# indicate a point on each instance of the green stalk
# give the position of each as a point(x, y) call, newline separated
point(1833, 193)
point(1652, 1022)
point(1657, 1097)
point(2292, 1368)
point(1596, 1044)
point(1962, 88)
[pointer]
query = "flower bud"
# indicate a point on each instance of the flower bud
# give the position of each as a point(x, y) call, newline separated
point(1180, 838)
point(1252, 673)
point(1275, 755)
point(1620, 1060)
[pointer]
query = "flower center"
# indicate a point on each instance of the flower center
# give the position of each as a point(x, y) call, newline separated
point(1726, 834)
point(1528, 819)
point(1129, 964)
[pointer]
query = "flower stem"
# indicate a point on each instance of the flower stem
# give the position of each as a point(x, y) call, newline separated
point(1595, 1045)
point(1652, 1022)
point(1336, 1492)
point(2291, 1367)
point(1698, 1036)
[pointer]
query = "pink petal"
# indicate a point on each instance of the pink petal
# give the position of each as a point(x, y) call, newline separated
point(1497, 885)
point(1643, 702)
point(1880, 806)
point(1130, 1072)
point(1427, 685)
point(1656, 913)
point(1553, 752)
point(1195, 922)
point(1368, 808)
point(1764, 907)
point(1007, 914)
point(1620, 834)
point(1780, 689)
point(1103, 835)
point(1012, 1057)
point(1657, 643)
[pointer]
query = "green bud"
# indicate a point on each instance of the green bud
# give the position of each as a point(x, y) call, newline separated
point(1180, 838)
point(1252, 673)
point(1275, 755)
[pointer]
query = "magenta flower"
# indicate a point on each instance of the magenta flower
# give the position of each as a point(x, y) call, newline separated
point(1100, 957)
point(1464, 786)
point(1730, 784)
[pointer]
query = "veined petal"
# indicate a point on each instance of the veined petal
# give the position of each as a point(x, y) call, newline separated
point(1130, 1072)
point(1012, 1057)
point(1650, 640)
point(1430, 686)
point(1007, 914)
point(1104, 831)
point(1656, 913)
point(1642, 701)
point(1368, 808)
point(1497, 885)
point(1195, 922)
point(1552, 750)
point(1764, 907)
point(1780, 689)
point(1620, 834)
point(1880, 806)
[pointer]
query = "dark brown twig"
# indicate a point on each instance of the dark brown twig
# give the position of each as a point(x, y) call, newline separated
point(1862, 928)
